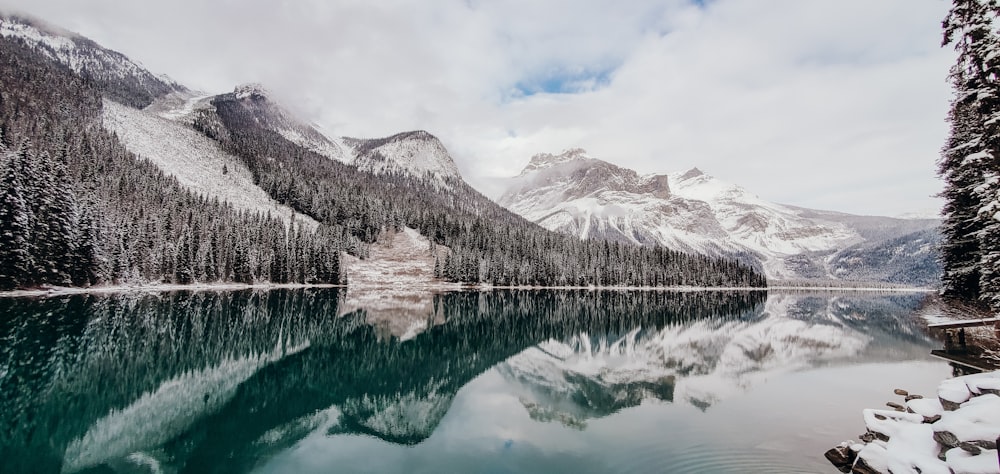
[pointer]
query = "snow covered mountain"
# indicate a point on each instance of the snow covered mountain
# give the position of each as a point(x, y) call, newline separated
point(574, 193)
point(116, 75)
point(417, 153)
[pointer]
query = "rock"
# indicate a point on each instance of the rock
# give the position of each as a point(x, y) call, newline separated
point(914, 397)
point(945, 438)
point(970, 448)
point(867, 437)
point(862, 467)
point(984, 444)
point(895, 406)
point(841, 457)
point(932, 419)
point(879, 417)
point(900, 392)
point(949, 405)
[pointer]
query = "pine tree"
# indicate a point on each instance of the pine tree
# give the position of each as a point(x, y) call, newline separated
point(15, 222)
point(970, 162)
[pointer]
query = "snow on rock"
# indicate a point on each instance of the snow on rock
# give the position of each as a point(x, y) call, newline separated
point(957, 435)
point(954, 391)
point(976, 419)
point(964, 462)
point(926, 407)
point(195, 160)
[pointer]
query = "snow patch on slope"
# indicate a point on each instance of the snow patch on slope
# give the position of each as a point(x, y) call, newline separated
point(195, 160)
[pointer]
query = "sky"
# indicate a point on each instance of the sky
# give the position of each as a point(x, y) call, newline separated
point(836, 105)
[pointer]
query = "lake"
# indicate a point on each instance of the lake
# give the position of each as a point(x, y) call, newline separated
point(311, 380)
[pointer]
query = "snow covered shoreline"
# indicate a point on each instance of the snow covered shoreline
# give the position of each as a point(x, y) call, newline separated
point(155, 288)
point(956, 432)
point(430, 287)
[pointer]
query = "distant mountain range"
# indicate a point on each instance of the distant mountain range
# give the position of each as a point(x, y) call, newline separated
point(240, 157)
point(580, 195)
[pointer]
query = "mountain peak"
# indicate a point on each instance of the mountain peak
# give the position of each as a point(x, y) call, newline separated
point(251, 91)
point(692, 173)
point(418, 153)
point(548, 160)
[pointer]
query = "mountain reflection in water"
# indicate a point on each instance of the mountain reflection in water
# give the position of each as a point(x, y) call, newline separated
point(223, 382)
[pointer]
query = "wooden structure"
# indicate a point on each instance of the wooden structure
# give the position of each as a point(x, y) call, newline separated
point(957, 352)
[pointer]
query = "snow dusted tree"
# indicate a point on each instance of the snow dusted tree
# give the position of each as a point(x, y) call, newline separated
point(970, 163)
point(15, 222)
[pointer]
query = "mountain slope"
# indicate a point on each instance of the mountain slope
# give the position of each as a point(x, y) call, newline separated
point(115, 75)
point(691, 211)
point(84, 210)
point(195, 160)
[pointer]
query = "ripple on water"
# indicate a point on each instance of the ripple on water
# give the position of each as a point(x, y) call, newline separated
point(704, 458)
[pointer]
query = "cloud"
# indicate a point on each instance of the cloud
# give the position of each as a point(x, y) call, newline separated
point(835, 105)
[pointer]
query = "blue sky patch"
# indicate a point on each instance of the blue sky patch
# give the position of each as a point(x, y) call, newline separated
point(565, 82)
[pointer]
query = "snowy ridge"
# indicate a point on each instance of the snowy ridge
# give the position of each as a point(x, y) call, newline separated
point(417, 153)
point(694, 212)
point(83, 55)
point(195, 160)
point(274, 117)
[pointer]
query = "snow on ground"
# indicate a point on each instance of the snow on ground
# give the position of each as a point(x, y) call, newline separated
point(395, 285)
point(195, 160)
point(179, 106)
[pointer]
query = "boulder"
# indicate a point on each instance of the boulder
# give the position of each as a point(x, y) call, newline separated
point(842, 457)
point(946, 438)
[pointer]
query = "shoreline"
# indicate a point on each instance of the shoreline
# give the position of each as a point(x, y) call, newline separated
point(429, 287)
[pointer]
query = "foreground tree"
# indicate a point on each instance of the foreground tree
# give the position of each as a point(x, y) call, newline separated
point(970, 161)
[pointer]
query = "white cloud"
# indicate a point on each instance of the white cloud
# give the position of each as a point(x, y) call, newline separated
point(836, 105)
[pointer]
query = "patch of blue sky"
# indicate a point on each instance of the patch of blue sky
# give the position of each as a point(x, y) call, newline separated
point(565, 82)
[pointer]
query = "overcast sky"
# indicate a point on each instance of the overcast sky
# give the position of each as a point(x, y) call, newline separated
point(832, 104)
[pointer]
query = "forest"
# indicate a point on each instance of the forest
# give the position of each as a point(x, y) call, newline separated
point(79, 209)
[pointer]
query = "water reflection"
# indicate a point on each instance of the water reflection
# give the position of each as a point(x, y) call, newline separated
point(224, 381)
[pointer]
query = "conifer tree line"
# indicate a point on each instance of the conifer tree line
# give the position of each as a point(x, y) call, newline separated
point(488, 243)
point(77, 208)
point(970, 160)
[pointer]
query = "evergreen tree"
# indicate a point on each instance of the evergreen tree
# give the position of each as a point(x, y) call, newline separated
point(15, 232)
point(970, 163)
